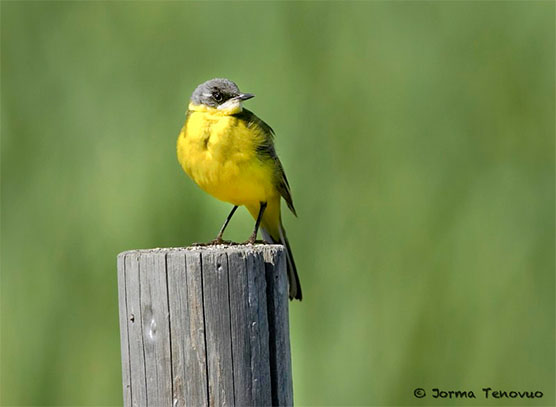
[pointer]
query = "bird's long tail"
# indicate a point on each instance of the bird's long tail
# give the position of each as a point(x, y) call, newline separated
point(295, 286)
point(272, 231)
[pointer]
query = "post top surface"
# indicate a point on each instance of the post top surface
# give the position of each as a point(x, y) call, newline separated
point(221, 248)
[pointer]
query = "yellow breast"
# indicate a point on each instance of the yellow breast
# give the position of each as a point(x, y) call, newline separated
point(218, 151)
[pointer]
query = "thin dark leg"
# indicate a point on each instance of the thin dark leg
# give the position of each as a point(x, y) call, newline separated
point(257, 224)
point(218, 239)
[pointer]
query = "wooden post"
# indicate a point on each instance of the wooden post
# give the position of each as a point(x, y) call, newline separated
point(205, 326)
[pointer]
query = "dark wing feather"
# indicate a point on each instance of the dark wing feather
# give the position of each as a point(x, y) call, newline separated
point(266, 151)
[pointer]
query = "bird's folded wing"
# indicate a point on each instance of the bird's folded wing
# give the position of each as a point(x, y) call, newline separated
point(266, 150)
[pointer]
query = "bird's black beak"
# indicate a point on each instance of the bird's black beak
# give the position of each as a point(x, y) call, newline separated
point(244, 96)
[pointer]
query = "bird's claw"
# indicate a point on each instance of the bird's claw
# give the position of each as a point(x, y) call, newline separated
point(214, 242)
point(252, 240)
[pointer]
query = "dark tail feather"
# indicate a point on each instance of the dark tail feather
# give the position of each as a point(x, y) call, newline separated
point(293, 278)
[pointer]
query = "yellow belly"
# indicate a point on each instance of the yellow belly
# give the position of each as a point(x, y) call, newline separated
point(219, 153)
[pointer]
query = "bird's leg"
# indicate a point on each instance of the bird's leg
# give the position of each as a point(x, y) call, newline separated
point(253, 237)
point(218, 239)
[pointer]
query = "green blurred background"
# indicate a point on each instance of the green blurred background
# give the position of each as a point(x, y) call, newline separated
point(419, 142)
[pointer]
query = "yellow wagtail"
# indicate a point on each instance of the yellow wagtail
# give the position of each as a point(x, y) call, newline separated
point(229, 152)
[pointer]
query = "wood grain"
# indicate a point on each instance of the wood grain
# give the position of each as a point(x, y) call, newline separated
point(205, 326)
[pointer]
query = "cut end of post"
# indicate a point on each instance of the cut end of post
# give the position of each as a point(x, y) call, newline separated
point(258, 247)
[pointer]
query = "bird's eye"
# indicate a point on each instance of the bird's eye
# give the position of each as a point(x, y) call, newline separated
point(217, 96)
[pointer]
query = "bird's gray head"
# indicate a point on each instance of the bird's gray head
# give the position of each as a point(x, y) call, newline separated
point(219, 93)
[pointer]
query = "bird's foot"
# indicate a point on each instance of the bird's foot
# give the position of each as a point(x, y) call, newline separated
point(220, 241)
point(252, 240)
point(214, 242)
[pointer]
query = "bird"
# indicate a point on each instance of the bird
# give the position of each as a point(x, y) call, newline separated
point(229, 153)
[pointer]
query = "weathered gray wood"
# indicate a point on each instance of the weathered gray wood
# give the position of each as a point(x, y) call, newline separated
point(155, 328)
point(280, 353)
point(218, 332)
point(239, 305)
point(259, 330)
point(250, 346)
point(138, 390)
point(179, 315)
point(187, 329)
point(203, 326)
point(124, 338)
